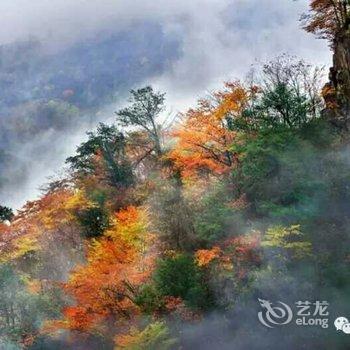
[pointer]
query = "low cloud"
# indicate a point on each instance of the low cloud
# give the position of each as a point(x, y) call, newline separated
point(216, 40)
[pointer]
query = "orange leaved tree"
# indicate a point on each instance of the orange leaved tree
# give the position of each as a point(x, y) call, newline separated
point(104, 288)
point(205, 138)
point(327, 18)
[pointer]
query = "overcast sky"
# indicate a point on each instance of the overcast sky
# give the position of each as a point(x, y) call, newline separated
point(218, 39)
point(218, 36)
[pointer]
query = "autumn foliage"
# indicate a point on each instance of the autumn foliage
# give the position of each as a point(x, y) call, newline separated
point(154, 235)
point(327, 17)
point(240, 253)
point(104, 287)
point(206, 136)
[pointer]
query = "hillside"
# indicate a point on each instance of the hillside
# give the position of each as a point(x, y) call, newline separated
point(176, 232)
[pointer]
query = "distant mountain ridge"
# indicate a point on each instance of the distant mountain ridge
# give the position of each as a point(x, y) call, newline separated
point(53, 95)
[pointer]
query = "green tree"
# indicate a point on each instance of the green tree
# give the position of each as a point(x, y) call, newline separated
point(6, 213)
point(289, 94)
point(214, 219)
point(146, 105)
point(179, 276)
point(94, 220)
point(109, 143)
point(281, 106)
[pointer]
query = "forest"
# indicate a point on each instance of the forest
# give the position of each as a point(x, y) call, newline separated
point(170, 232)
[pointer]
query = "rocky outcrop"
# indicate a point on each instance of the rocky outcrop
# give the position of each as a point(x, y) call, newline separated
point(337, 91)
